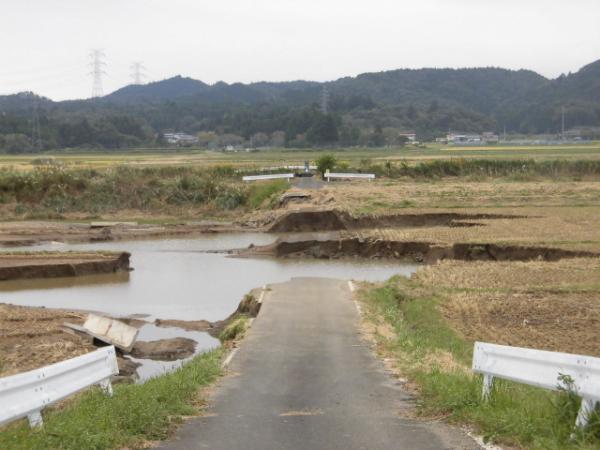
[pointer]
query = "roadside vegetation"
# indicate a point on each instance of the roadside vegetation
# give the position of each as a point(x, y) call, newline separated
point(136, 414)
point(428, 345)
point(51, 192)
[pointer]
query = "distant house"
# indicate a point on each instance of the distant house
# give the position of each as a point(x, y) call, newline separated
point(463, 138)
point(181, 139)
point(487, 137)
point(410, 135)
point(490, 137)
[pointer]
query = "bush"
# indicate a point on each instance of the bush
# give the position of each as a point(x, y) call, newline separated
point(325, 163)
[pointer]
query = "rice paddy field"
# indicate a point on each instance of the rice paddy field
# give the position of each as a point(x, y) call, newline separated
point(277, 157)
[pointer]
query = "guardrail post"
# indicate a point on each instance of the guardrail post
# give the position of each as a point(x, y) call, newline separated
point(488, 382)
point(35, 419)
point(106, 387)
point(587, 408)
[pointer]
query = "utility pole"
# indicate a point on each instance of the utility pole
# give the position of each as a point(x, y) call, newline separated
point(97, 56)
point(325, 100)
point(36, 134)
point(137, 72)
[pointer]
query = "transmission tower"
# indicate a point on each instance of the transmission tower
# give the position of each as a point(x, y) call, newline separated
point(36, 134)
point(137, 72)
point(97, 63)
point(325, 100)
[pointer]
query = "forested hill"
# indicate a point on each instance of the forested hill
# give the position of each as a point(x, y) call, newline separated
point(363, 110)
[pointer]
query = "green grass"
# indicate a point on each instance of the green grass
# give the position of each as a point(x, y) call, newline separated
point(136, 413)
point(516, 415)
point(235, 329)
point(261, 191)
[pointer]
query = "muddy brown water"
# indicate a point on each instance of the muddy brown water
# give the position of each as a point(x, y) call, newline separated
point(186, 279)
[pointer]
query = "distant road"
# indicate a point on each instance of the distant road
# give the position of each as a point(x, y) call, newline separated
point(303, 379)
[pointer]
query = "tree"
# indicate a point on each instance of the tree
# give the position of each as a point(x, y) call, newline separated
point(377, 139)
point(323, 131)
point(17, 143)
point(325, 162)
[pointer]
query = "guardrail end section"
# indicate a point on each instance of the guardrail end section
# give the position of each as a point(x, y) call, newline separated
point(35, 419)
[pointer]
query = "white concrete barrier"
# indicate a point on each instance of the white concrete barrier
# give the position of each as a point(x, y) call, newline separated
point(368, 176)
point(26, 394)
point(544, 369)
point(274, 176)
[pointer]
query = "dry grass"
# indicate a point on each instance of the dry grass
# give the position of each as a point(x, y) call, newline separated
point(546, 305)
point(385, 195)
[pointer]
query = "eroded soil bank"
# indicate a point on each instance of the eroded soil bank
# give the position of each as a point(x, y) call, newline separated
point(17, 266)
point(415, 251)
point(335, 220)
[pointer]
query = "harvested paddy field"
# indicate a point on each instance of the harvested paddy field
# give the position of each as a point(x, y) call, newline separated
point(33, 337)
point(545, 305)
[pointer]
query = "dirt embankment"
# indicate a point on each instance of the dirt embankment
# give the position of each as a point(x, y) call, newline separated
point(16, 266)
point(334, 220)
point(414, 251)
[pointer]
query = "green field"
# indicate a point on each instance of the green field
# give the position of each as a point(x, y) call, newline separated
point(277, 157)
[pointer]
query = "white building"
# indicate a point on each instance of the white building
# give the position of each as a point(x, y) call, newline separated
point(180, 138)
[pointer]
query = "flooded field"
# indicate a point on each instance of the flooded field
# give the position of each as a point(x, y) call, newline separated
point(187, 279)
point(181, 278)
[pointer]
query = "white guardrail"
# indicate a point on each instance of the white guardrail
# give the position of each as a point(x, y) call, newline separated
point(26, 394)
point(368, 176)
point(542, 369)
point(268, 177)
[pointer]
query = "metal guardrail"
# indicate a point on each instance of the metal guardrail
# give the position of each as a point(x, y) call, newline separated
point(368, 176)
point(540, 368)
point(274, 176)
point(26, 394)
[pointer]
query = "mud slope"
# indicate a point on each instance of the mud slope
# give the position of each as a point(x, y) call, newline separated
point(416, 251)
point(334, 220)
point(15, 266)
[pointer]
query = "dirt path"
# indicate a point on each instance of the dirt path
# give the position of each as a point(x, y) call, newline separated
point(303, 379)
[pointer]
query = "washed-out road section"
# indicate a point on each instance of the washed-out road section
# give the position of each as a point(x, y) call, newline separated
point(304, 379)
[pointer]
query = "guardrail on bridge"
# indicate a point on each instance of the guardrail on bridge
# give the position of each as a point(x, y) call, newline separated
point(274, 176)
point(542, 369)
point(368, 176)
point(26, 394)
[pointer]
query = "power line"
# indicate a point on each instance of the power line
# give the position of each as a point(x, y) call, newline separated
point(138, 72)
point(97, 56)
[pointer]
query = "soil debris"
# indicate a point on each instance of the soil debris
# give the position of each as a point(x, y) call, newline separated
point(164, 349)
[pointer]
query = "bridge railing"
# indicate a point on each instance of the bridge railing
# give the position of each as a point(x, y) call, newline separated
point(274, 176)
point(26, 394)
point(548, 370)
point(368, 176)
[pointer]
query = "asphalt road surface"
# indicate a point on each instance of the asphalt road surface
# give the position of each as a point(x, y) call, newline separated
point(303, 379)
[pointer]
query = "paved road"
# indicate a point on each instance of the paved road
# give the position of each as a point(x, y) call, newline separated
point(303, 379)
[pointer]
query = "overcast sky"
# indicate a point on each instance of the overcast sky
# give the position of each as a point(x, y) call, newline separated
point(44, 45)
